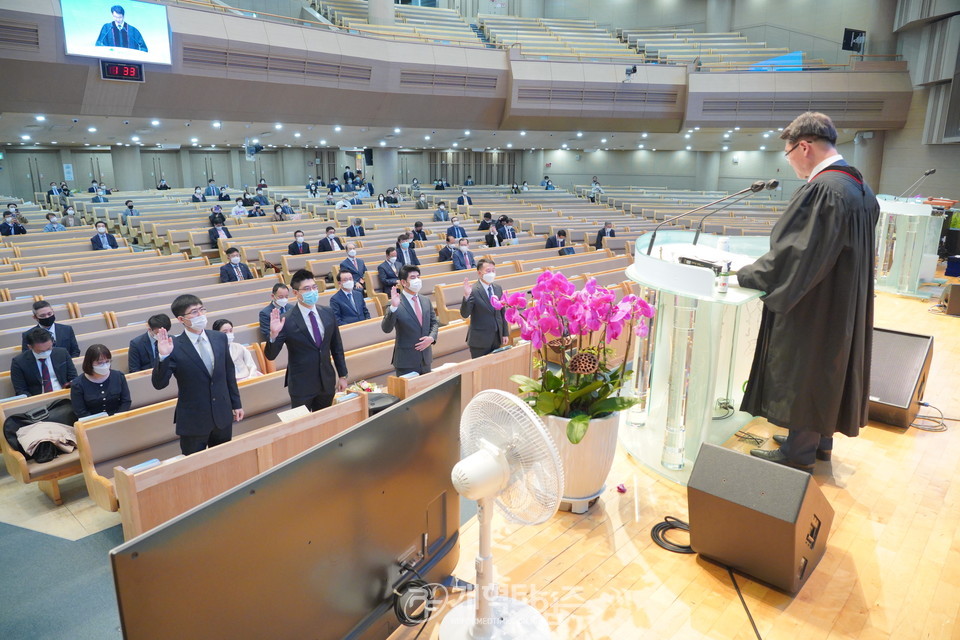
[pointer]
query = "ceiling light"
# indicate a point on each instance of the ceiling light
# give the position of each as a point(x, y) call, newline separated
point(323, 142)
point(736, 128)
point(24, 137)
point(456, 144)
point(216, 124)
point(509, 145)
point(696, 128)
point(643, 135)
point(579, 134)
point(278, 126)
point(53, 142)
point(135, 138)
point(92, 129)
point(687, 136)
point(155, 123)
point(337, 128)
point(640, 146)
point(766, 135)
point(523, 133)
point(603, 140)
point(426, 137)
point(725, 148)
point(383, 143)
point(396, 129)
point(689, 130)
point(193, 140)
point(86, 144)
point(726, 135)
point(194, 144)
point(689, 147)
point(564, 145)
point(467, 132)
point(296, 135)
point(762, 148)
point(653, 149)
point(41, 118)
point(254, 141)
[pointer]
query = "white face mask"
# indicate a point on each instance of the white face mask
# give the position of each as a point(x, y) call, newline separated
point(392, 259)
point(101, 369)
point(299, 239)
point(69, 212)
point(464, 248)
point(347, 285)
point(456, 223)
point(229, 338)
point(102, 231)
point(352, 253)
point(415, 285)
point(235, 260)
point(199, 323)
point(331, 235)
point(489, 277)
point(281, 302)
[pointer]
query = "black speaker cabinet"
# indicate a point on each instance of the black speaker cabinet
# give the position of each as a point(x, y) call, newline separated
point(368, 157)
point(898, 375)
point(951, 299)
point(760, 518)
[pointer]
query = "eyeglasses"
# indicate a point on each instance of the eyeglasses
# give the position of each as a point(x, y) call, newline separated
point(305, 289)
point(195, 312)
point(791, 150)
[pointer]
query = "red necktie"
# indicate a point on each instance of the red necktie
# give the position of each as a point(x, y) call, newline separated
point(417, 309)
point(45, 375)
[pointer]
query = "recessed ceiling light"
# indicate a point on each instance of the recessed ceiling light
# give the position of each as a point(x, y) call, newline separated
point(382, 143)
point(564, 145)
point(687, 136)
point(643, 135)
point(53, 142)
point(194, 144)
point(278, 126)
point(696, 128)
point(509, 145)
point(337, 128)
point(193, 139)
point(523, 133)
point(641, 146)
point(255, 141)
point(736, 128)
point(579, 134)
point(603, 140)
point(653, 149)
point(155, 123)
point(396, 129)
point(41, 118)
point(323, 142)
point(92, 129)
point(762, 148)
point(467, 132)
point(216, 124)
point(296, 135)
point(726, 135)
point(456, 144)
point(426, 137)
point(24, 137)
point(689, 147)
point(725, 148)
point(86, 144)
point(766, 135)
point(689, 130)
point(135, 138)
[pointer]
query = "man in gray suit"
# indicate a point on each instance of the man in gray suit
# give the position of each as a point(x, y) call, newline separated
point(415, 321)
point(488, 328)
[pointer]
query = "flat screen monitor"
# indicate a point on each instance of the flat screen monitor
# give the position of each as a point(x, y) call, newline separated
point(127, 30)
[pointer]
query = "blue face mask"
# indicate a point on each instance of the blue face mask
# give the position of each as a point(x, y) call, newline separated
point(404, 245)
point(310, 298)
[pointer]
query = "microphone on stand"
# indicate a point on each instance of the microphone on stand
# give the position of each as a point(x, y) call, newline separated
point(769, 184)
point(928, 172)
point(759, 185)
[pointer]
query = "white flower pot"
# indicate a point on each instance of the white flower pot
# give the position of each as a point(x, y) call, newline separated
point(585, 465)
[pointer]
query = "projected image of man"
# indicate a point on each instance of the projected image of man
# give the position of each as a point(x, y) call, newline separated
point(117, 33)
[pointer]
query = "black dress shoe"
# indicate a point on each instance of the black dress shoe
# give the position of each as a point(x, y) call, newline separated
point(775, 455)
point(822, 454)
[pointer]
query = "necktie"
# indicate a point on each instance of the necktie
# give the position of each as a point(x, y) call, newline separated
point(156, 351)
point(353, 305)
point(417, 309)
point(490, 292)
point(315, 327)
point(203, 348)
point(237, 269)
point(334, 244)
point(45, 376)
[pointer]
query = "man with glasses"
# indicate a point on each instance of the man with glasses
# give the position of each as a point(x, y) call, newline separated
point(314, 346)
point(811, 369)
point(208, 400)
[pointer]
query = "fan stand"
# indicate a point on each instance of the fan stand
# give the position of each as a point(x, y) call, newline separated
point(488, 616)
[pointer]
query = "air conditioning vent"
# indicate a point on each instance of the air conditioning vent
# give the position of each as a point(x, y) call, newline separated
point(19, 35)
point(222, 59)
point(792, 106)
point(448, 80)
point(597, 96)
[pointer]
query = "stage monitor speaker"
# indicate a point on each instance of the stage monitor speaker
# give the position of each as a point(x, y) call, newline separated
point(898, 375)
point(368, 157)
point(950, 299)
point(762, 519)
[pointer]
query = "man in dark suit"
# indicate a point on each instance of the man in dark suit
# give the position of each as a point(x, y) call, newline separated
point(607, 232)
point(41, 367)
point(279, 299)
point(10, 226)
point(94, 185)
point(507, 233)
point(354, 265)
point(347, 303)
point(447, 251)
point(298, 246)
point(99, 198)
point(441, 214)
point(260, 198)
point(218, 231)
point(412, 315)
point(356, 229)
point(142, 353)
point(103, 240)
point(406, 254)
point(208, 400)
point(314, 347)
point(492, 238)
point(418, 232)
point(486, 223)
point(558, 241)
point(216, 213)
point(330, 242)
point(224, 196)
point(463, 257)
point(118, 33)
point(62, 335)
point(287, 209)
point(421, 202)
point(488, 328)
point(456, 230)
point(212, 191)
point(234, 270)
point(56, 193)
point(387, 271)
point(464, 198)
point(348, 175)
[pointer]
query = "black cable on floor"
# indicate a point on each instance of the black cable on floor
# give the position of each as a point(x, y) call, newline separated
point(736, 586)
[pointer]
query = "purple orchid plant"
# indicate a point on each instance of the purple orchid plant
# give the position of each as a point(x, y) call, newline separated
point(579, 325)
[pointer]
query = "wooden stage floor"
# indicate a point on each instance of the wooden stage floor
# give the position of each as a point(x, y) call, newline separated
point(891, 569)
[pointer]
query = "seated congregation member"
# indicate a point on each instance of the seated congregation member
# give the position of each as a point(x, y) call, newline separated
point(198, 195)
point(70, 218)
point(356, 266)
point(557, 241)
point(256, 211)
point(387, 271)
point(464, 198)
point(330, 241)
point(223, 196)
point(260, 198)
point(492, 238)
point(347, 303)
point(103, 240)
point(421, 202)
point(356, 230)
point(131, 211)
point(218, 231)
point(406, 254)
point(463, 257)
point(441, 214)
point(163, 186)
point(487, 221)
point(278, 214)
point(94, 186)
point(56, 194)
point(299, 246)
point(244, 365)
point(99, 389)
point(212, 191)
point(216, 213)
point(508, 235)
point(279, 299)
point(288, 211)
point(208, 400)
point(262, 184)
point(488, 328)
point(391, 199)
point(53, 224)
point(549, 186)
point(41, 367)
point(418, 232)
point(62, 334)
point(238, 211)
point(234, 270)
point(606, 232)
point(247, 199)
point(416, 325)
point(456, 230)
point(446, 253)
point(314, 347)
point(99, 198)
point(381, 202)
point(142, 352)
point(469, 181)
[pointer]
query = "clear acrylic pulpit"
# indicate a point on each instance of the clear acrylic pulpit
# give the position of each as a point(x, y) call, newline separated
point(908, 234)
point(690, 371)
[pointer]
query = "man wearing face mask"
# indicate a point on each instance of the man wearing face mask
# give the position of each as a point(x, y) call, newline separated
point(234, 270)
point(99, 197)
point(463, 258)
point(558, 241)
point(218, 231)
point(347, 303)
point(131, 211)
point(406, 254)
point(53, 224)
point(212, 191)
point(299, 246)
point(456, 230)
point(508, 235)
point(41, 367)
point(447, 251)
point(387, 272)
point(288, 211)
point(413, 317)
point(355, 266)
point(279, 299)
point(464, 198)
point(356, 229)
point(103, 240)
point(61, 334)
point(441, 215)
point(260, 198)
point(208, 400)
point(142, 352)
point(314, 347)
point(330, 242)
point(421, 202)
point(488, 328)
point(418, 232)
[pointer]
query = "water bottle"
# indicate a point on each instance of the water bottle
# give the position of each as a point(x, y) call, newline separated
point(674, 439)
point(723, 243)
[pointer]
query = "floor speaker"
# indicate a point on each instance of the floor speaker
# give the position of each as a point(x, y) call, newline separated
point(898, 375)
point(760, 518)
point(950, 299)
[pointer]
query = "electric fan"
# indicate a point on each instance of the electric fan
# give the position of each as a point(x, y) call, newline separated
point(508, 457)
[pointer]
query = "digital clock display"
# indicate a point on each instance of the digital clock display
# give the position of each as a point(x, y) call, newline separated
point(129, 71)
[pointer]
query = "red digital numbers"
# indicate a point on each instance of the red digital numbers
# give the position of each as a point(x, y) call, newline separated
point(114, 71)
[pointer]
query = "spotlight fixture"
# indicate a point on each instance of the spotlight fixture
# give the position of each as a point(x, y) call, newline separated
point(337, 128)
point(41, 118)
point(155, 123)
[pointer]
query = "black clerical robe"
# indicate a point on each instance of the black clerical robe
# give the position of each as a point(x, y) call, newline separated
point(811, 368)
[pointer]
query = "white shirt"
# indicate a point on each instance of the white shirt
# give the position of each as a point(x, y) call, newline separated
point(54, 383)
point(305, 312)
point(238, 211)
point(823, 165)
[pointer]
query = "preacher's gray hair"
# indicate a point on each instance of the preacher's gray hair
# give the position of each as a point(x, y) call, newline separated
point(811, 124)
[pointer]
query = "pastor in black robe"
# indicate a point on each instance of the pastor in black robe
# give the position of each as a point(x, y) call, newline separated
point(811, 368)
